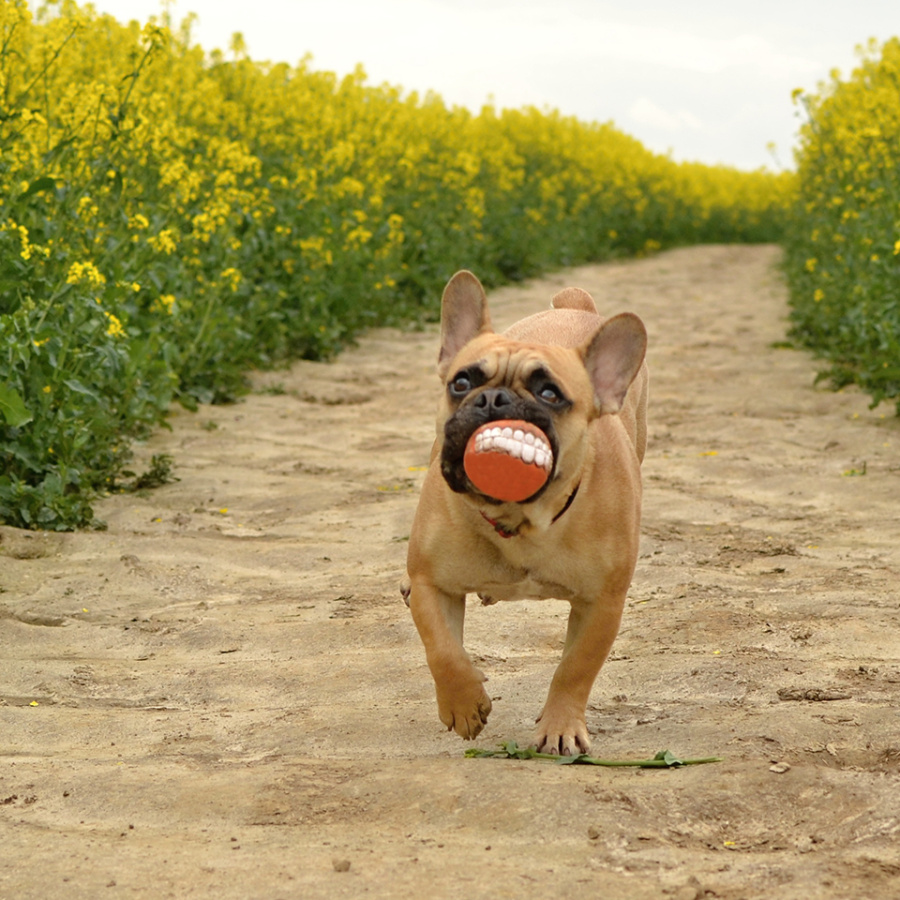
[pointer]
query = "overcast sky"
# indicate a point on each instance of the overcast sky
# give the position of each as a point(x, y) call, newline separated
point(706, 80)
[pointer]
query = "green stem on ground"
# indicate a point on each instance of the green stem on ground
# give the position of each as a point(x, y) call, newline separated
point(665, 759)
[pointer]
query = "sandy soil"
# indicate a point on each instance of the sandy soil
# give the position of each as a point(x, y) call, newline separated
point(224, 696)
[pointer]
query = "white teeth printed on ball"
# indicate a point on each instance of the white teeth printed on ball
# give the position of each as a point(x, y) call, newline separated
point(517, 443)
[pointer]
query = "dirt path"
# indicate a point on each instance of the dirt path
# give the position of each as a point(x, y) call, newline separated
point(224, 696)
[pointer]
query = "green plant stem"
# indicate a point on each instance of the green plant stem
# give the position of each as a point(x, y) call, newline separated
point(663, 760)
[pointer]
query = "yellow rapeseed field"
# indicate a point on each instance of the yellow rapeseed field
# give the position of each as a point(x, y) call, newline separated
point(170, 217)
point(843, 249)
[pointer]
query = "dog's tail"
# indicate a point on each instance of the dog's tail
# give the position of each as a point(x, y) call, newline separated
point(574, 298)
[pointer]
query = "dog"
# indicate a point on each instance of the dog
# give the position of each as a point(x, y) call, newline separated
point(583, 382)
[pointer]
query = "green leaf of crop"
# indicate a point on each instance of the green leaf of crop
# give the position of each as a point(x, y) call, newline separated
point(75, 385)
point(45, 183)
point(13, 408)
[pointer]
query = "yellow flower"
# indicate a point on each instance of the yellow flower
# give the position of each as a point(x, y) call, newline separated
point(26, 250)
point(233, 277)
point(114, 326)
point(85, 273)
point(164, 241)
point(164, 303)
point(87, 209)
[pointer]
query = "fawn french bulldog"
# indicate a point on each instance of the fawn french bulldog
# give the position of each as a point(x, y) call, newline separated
point(559, 402)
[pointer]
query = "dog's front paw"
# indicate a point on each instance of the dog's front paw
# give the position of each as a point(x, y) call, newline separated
point(464, 708)
point(562, 732)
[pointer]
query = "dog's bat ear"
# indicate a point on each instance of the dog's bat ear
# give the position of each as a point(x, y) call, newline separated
point(464, 315)
point(613, 357)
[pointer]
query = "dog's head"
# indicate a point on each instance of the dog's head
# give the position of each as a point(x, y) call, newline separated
point(557, 379)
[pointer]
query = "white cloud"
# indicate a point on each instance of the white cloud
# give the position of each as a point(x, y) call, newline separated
point(694, 53)
point(577, 33)
point(646, 112)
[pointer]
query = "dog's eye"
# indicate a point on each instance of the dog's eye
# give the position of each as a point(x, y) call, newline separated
point(543, 387)
point(549, 393)
point(461, 385)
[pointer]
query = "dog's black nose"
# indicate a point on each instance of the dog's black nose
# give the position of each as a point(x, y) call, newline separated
point(494, 401)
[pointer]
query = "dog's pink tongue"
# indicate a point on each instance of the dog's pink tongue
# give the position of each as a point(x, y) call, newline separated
point(509, 460)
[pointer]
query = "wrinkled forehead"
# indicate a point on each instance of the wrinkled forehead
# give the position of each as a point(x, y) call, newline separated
point(510, 360)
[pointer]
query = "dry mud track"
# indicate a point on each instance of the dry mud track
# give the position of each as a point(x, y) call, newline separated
point(224, 696)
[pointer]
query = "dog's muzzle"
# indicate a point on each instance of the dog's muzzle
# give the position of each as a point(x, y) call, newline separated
point(489, 405)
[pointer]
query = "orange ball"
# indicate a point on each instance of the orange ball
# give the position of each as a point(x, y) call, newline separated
point(508, 460)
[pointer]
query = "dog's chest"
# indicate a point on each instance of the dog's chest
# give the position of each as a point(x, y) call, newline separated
point(506, 580)
point(527, 589)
